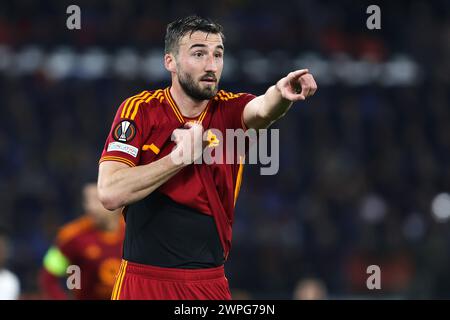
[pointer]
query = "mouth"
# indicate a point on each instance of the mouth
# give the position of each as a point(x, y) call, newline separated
point(209, 80)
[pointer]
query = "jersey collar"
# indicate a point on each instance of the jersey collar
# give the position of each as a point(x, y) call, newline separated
point(177, 111)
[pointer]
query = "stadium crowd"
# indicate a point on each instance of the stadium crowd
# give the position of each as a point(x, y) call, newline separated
point(360, 167)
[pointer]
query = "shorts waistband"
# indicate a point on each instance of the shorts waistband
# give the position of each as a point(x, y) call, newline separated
point(174, 274)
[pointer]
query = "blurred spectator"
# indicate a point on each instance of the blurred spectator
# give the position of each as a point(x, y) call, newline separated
point(310, 289)
point(239, 294)
point(9, 283)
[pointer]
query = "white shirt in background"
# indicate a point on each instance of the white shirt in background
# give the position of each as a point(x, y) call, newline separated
point(9, 285)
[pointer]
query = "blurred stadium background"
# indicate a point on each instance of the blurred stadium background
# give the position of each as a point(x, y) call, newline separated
point(365, 164)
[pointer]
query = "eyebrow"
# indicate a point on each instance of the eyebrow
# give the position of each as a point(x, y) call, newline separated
point(205, 46)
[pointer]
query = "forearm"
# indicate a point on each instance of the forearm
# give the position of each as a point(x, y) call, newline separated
point(131, 184)
point(274, 106)
point(264, 110)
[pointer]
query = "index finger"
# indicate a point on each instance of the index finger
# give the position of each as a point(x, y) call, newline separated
point(297, 73)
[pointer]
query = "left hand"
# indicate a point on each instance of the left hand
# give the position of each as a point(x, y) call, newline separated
point(297, 85)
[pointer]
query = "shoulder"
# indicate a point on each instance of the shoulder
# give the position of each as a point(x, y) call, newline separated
point(231, 98)
point(139, 103)
point(145, 96)
point(74, 229)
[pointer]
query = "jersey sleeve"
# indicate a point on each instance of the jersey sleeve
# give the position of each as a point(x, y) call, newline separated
point(234, 108)
point(126, 136)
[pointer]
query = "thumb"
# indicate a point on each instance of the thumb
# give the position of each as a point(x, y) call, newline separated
point(188, 125)
point(297, 74)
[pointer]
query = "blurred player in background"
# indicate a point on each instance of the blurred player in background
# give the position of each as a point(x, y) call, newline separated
point(94, 243)
point(9, 283)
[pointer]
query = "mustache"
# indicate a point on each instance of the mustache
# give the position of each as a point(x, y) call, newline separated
point(209, 76)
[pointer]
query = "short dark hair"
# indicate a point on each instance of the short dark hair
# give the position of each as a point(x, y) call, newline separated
point(179, 28)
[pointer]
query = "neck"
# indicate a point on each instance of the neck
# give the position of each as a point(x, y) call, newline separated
point(188, 106)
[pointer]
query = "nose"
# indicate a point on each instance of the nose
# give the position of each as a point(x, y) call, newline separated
point(211, 64)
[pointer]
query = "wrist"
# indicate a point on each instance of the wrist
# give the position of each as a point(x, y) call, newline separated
point(278, 86)
point(175, 159)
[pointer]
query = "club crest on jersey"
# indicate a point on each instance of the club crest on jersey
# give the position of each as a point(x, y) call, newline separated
point(124, 131)
point(212, 139)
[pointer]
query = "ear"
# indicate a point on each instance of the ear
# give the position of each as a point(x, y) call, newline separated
point(170, 63)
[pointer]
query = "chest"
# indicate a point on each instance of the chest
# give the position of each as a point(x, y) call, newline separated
point(157, 141)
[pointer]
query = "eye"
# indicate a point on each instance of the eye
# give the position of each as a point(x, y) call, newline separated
point(218, 55)
point(198, 54)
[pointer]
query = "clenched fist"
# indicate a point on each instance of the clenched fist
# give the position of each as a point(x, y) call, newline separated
point(189, 141)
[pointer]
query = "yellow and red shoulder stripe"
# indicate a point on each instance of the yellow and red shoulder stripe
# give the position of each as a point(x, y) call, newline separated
point(225, 96)
point(131, 105)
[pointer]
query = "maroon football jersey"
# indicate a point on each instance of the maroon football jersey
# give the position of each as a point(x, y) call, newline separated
point(140, 134)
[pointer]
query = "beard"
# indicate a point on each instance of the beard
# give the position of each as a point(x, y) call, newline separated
point(194, 90)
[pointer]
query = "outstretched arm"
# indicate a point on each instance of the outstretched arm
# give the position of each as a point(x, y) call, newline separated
point(264, 110)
